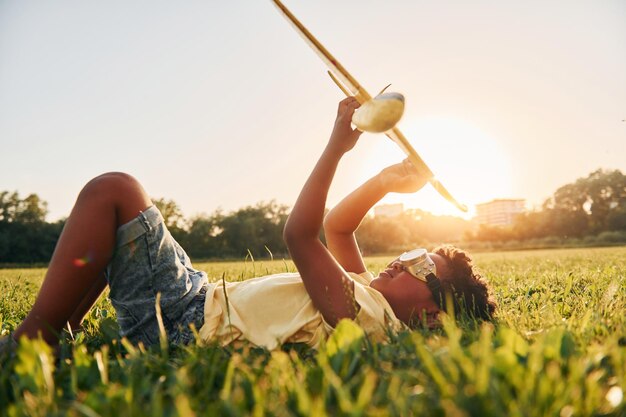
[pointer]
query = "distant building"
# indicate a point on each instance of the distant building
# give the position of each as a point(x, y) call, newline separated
point(388, 210)
point(499, 212)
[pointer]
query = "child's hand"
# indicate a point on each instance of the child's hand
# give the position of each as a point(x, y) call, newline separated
point(402, 178)
point(344, 137)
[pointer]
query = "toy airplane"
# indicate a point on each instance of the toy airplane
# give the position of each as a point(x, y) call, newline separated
point(378, 114)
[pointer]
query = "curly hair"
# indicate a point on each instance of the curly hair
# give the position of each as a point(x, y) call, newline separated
point(470, 293)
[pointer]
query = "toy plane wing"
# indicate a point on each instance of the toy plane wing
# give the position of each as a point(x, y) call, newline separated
point(344, 80)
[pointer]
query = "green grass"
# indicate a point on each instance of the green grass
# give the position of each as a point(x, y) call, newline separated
point(558, 348)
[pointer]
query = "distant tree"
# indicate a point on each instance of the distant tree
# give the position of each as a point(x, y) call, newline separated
point(412, 228)
point(257, 229)
point(530, 225)
point(24, 234)
point(427, 227)
point(253, 228)
point(201, 239)
point(172, 217)
point(28, 242)
point(607, 194)
point(616, 219)
point(382, 234)
point(171, 212)
point(583, 207)
point(32, 209)
point(8, 206)
point(487, 233)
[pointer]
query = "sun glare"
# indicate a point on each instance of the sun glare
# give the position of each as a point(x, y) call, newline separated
point(469, 163)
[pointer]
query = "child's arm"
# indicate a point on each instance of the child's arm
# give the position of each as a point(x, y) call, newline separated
point(343, 220)
point(329, 286)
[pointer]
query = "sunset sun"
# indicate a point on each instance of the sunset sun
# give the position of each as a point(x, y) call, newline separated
point(470, 163)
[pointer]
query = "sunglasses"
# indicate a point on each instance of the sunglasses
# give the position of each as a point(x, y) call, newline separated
point(419, 264)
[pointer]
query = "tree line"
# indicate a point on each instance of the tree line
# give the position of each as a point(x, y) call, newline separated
point(591, 210)
point(587, 211)
point(25, 236)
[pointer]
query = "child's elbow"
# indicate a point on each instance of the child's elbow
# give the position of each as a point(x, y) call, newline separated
point(332, 225)
point(329, 224)
point(297, 237)
point(289, 233)
point(326, 222)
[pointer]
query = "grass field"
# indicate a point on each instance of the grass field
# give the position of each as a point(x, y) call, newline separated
point(558, 348)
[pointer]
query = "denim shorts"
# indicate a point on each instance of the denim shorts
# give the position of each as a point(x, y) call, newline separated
point(148, 261)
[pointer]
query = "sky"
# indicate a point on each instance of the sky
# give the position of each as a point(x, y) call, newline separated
point(221, 105)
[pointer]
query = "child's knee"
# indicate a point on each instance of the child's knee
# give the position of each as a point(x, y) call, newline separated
point(116, 191)
point(114, 187)
point(111, 183)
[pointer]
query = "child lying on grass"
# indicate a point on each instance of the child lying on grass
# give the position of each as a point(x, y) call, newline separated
point(115, 236)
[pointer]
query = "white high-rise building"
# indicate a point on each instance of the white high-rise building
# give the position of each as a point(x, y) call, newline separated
point(499, 212)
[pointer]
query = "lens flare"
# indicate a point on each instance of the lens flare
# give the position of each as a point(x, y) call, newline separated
point(80, 262)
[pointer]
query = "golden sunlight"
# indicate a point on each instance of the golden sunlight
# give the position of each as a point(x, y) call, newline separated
point(469, 163)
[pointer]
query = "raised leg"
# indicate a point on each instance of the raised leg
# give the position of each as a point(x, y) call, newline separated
point(85, 247)
point(88, 300)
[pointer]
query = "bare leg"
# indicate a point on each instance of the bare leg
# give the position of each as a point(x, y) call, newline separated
point(87, 302)
point(82, 252)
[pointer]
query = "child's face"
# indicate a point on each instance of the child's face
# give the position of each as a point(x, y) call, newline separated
point(408, 296)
